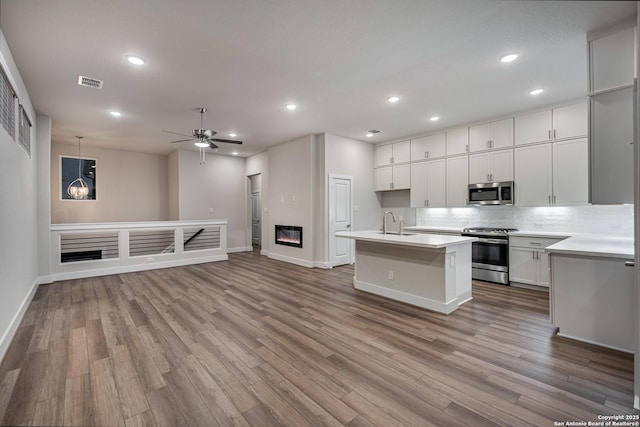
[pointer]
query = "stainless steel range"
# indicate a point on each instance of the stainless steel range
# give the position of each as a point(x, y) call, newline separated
point(490, 253)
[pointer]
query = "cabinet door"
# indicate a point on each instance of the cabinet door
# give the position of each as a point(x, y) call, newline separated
point(533, 175)
point(570, 121)
point(457, 181)
point(535, 127)
point(383, 178)
point(501, 167)
point(383, 155)
point(436, 187)
point(418, 193)
point(479, 168)
point(457, 141)
point(611, 149)
point(571, 172)
point(502, 133)
point(402, 177)
point(435, 146)
point(402, 152)
point(522, 265)
point(479, 137)
point(419, 149)
point(544, 269)
point(612, 60)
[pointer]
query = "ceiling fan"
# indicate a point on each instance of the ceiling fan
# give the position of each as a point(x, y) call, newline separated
point(202, 138)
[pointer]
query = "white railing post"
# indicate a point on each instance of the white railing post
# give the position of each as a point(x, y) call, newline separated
point(179, 240)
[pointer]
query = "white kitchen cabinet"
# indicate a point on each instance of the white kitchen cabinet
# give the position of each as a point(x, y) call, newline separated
point(457, 141)
point(533, 175)
point(398, 152)
point(491, 166)
point(532, 128)
point(428, 184)
point(571, 172)
point(571, 121)
point(612, 60)
point(457, 182)
point(428, 147)
point(552, 174)
point(528, 260)
point(489, 136)
point(393, 177)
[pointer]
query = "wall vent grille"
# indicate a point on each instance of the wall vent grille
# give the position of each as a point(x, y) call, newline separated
point(90, 82)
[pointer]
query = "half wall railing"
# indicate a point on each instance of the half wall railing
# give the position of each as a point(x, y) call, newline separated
point(87, 250)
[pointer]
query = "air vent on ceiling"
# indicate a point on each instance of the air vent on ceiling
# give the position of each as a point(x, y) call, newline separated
point(90, 82)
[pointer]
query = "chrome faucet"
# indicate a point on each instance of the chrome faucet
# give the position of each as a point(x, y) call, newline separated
point(384, 221)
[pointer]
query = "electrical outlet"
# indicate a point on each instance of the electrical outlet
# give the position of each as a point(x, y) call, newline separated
point(210, 210)
point(390, 274)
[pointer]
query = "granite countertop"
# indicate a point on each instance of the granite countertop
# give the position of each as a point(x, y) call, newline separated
point(595, 245)
point(430, 241)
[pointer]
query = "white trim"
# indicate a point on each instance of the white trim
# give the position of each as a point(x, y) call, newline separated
point(264, 252)
point(142, 224)
point(45, 280)
point(240, 249)
point(138, 267)
point(320, 264)
point(599, 344)
point(292, 260)
point(9, 334)
point(423, 302)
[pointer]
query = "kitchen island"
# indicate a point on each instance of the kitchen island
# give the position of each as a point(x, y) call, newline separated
point(426, 270)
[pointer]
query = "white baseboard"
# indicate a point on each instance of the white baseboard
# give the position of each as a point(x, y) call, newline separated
point(8, 335)
point(264, 252)
point(394, 294)
point(292, 260)
point(137, 267)
point(240, 249)
point(45, 280)
point(321, 264)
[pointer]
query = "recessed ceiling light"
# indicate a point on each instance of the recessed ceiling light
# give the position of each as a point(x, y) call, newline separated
point(235, 153)
point(115, 113)
point(434, 118)
point(135, 60)
point(509, 57)
point(536, 91)
point(232, 135)
point(393, 99)
point(368, 134)
point(291, 106)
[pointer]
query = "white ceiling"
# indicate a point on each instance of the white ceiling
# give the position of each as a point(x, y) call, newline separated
point(338, 60)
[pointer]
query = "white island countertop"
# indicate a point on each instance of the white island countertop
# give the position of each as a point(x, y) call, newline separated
point(431, 241)
point(595, 245)
point(427, 229)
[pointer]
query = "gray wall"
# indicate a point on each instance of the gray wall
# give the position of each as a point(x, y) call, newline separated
point(130, 187)
point(18, 214)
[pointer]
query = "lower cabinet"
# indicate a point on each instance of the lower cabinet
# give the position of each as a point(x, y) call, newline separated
point(393, 177)
point(528, 260)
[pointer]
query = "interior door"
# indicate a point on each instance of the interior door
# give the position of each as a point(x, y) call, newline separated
point(340, 213)
point(256, 227)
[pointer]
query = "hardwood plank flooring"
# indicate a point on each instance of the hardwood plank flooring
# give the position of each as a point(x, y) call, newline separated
point(257, 342)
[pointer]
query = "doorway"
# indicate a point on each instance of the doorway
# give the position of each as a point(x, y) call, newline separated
point(256, 210)
point(340, 216)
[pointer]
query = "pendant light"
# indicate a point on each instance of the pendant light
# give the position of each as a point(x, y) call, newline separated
point(78, 189)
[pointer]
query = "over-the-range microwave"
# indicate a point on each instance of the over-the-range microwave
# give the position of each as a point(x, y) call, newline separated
point(491, 193)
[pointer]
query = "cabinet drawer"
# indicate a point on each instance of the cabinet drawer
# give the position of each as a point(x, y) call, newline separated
point(532, 242)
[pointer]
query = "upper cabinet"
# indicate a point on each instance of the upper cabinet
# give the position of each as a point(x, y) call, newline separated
point(570, 121)
point(491, 136)
point(611, 134)
point(457, 141)
point(428, 147)
point(612, 59)
point(399, 152)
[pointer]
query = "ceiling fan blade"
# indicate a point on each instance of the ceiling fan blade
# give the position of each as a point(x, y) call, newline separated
point(228, 141)
point(209, 133)
point(176, 133)
point(212, 145)
point(181, 140)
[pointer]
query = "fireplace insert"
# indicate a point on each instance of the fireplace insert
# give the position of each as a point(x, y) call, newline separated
point(289, 235)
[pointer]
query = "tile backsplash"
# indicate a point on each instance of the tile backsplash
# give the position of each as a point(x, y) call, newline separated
point(616, 219)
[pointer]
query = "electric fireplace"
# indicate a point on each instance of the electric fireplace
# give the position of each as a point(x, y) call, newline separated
point(289, 235)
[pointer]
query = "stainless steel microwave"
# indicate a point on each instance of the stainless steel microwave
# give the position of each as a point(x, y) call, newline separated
point(491, 193)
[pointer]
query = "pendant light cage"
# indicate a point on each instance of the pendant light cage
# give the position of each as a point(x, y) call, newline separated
point(78, 189)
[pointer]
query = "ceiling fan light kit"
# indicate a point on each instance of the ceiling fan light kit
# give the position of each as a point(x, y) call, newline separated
point(203, 138)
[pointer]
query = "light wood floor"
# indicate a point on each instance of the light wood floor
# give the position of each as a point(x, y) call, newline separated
point(253, 341)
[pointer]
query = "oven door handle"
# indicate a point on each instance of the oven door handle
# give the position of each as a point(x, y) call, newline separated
point(496, 241)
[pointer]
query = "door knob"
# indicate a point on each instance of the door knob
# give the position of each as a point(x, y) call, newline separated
point(348, 225)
